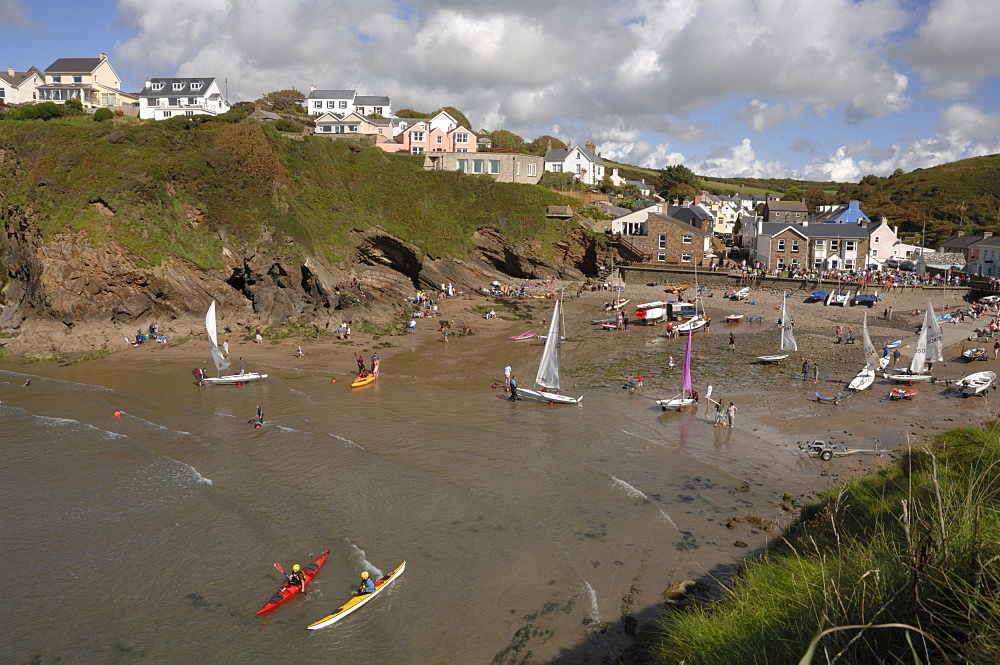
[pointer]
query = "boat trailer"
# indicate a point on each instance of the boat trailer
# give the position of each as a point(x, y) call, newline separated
point(831, 400)
point(827, 451)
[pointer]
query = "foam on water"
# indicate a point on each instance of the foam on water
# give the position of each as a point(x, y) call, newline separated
point(359, 554)
point(76, 424)
point(340, 438)
point(630, 490)
point(592, 612)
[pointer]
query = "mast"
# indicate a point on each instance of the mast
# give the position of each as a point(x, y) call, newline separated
point(787, 337)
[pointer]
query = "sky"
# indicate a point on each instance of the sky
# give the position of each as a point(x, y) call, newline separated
point(810, 89)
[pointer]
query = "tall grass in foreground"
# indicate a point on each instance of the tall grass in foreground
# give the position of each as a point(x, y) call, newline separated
point(903, 564)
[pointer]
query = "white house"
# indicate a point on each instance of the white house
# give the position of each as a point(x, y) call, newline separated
point(883, 241)
point(163, 98)
point(20, 87)
point(344, 102)
point(584, 164)
point(636, 223)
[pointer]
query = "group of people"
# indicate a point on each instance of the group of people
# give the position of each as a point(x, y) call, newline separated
point(376, 364)
point(297, 578)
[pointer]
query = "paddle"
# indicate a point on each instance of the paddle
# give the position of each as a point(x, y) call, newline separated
point(282, 570)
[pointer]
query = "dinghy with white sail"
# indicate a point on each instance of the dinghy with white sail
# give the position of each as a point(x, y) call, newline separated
point(787, 337)
point(220, 360)
point(547, 379)
point(929, 348)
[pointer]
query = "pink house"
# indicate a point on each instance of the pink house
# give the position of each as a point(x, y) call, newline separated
point(442, 133)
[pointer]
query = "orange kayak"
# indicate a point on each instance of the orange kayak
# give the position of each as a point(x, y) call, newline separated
point(362, 381)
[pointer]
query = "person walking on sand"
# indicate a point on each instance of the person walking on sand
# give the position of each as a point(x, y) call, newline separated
point(731, 414)
point(243, 368)
point(513, 390)
point(708, 393)
point(732, 342)
point(895, 356)
point(720, 414)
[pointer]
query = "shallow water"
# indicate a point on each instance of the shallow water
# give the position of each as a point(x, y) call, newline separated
point(151, 536)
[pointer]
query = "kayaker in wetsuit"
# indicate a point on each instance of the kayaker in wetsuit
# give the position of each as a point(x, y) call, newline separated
point(367, 584)
point(361, 365)
point(297, 578)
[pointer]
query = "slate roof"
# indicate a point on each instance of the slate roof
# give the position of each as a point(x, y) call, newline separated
point(371, 100)
point(790, 206)
point(992, 241)
point(846, 231)
point(957, 242)
point(332, 94)
point(19, 77)
point(561, 155)
point(73, 65)
point(693, 215)
point(168, 87)
point(678, 222)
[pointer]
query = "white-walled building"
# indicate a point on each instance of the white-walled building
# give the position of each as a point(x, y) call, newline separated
point(20, 87)
point(163, 98)
point(584, 164)
point(345, 102)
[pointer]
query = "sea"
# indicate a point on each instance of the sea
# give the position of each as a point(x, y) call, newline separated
point(142, 514)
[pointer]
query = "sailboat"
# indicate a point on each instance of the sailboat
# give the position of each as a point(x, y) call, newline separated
point(220, 361)
point(547, 378)
point(866, 377)
point(787, 338)
point(684, 399)
point(929, 349)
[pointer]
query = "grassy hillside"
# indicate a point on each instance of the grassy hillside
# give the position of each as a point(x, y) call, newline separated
point(725, 186)
point(175, 187)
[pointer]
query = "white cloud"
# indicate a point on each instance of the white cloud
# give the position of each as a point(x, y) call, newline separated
point(761, 115)
point(956, 47)
point(738, 161)
point(641, 153)
point(12, 14)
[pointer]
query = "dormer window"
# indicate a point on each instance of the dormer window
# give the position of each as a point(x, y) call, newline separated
point(178, 86)
point(196, 85)
point(157, 86)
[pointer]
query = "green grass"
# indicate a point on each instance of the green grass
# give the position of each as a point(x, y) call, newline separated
point(915, 544)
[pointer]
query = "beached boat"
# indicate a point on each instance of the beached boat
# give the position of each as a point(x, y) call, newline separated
point(220, 361)
point(651, 312)
point(547, 379)
point(677, 288)
point(734, 318)
point(740, 294)
point(817, 296)
point(362, 380)
point(620, 302)
point(893, 345)
point(692, 325)
point(527, 335)
point(977, 384)
point(787, 338)
point(929, 348)
point(868, 299)
point(866, 377)
point(903, 393)
point(978, 353)
point(684, 399)
point(839, 298)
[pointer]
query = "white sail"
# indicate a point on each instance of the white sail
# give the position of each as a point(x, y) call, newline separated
point(213, 342)
point(787, 338)
point(871, 355)
point(935, 345)
point(548, 366)
point(920, 352)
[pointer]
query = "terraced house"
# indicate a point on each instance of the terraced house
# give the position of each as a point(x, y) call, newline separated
point(812, 246)
point(93, 81)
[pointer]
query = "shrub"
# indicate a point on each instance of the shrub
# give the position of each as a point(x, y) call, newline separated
point(43, 111)
point(286, 125)
point(100, 115)
point(74, 104)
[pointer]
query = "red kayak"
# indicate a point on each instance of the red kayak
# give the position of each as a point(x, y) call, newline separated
point(285, 592)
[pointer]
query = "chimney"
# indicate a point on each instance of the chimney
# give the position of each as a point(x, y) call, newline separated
point(960, 234)
point(10, 72)
point(104, 56)
point(697, 199)
point(988, 234)
point(256, 107)
point(312, 87)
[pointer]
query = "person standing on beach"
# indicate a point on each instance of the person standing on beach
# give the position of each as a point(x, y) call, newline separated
point(720, 414)
point(805, 370)
point(815, 373)
point(708, 393)
point(376, 362)
point(243, 368)
point(513, 390)
point(506, 378)
point(895, 356)
point(732, 342)
point(731, 414)
point(413, 326)
point(225, 349)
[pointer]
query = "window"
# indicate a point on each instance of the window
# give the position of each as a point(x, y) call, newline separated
point(820, 244)
point(875, 240)
point(326, 129)
point(343, 104)
point(781, 244)
point(192, 101)
point(531, 169)
point(173, 101)
point(77, 79)
point(317, 105)
point(461, 137)
point(3, 93)
point(150, 101)
point(795, 246)
point(156, 86)
point(833, 245)
point(494, 166)
point(685, 257)
point(338, 129)
point(463, 165)
point(795, 262)
point(352, 129)
point(579, 169)
point(478, 165)
point(686, 238)
point(167, 114)
point(416, 150)
point(377, 109)
point(848, 264)
point(874, 253)
point(57, 79)
point(178, 86)
point(188, 112)
point(331, 105)
point(662, 241)
point(781, 262)
point(462, 150)
point(661, 256)
point(440, 139)
point(557, 168)
point(850, 245)
point(818, 263)
point(196, 85)
point(798, 214)
point(417, 137)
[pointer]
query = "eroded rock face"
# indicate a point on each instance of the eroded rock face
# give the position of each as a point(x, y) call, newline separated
point(68, 294)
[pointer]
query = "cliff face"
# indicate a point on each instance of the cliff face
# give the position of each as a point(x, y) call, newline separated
point(67, 294)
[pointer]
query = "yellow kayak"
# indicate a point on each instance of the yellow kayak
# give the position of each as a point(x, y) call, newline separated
point(357, 601)
point(362, 381)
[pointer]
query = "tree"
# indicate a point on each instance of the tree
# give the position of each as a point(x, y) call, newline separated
point(544, 143)
point(283, 100)
point(793, 193)
point(815, 196)
point(504, 140)
point(672, 176)
point(100, 115)
point(457, 115)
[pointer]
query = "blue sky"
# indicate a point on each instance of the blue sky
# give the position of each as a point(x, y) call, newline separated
point(824, 90)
